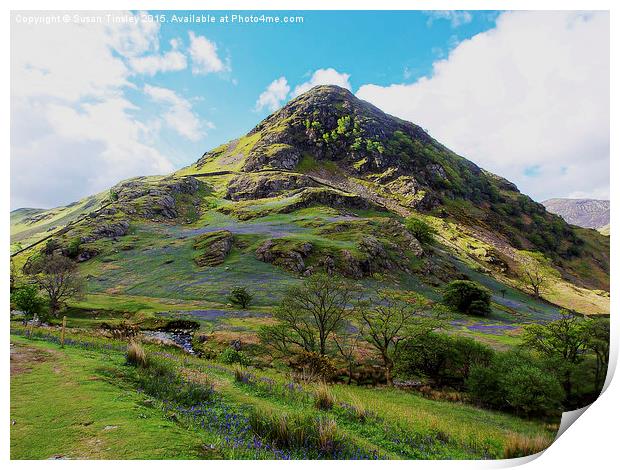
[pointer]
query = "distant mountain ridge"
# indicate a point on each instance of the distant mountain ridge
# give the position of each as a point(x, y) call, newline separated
point(587, 213)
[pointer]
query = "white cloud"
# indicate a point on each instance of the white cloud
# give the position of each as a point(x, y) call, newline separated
point(456, 18)
point(178, 115)
point(274, 95)
point(171, 61)
point(61, 153)
point(204, 56)
point(532, 93)
point(73, 132)
point(328, 76)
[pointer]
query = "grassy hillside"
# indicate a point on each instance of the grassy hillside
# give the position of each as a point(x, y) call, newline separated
point(328, 184)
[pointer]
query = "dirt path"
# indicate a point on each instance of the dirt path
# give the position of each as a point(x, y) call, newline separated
point(23, 357)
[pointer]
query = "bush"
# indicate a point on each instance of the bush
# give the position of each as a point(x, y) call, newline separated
point(240, 296)
point(136, 356)
point(314, 366)
point(514, 382)
point(445, 360)
point(423, 232)
point(73, 250)
point(27, 300)
point(232, 356)
point(468, 297)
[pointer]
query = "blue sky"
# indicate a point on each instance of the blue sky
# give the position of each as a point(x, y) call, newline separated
point(378, 47)
point(523, 94)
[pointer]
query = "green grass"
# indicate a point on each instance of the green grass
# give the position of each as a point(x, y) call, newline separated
point(103, 393)
point(69, 405)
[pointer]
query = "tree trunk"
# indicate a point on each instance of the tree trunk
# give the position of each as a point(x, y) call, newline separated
point(388, 370)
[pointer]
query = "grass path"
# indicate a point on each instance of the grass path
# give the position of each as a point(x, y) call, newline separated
point(64, 405)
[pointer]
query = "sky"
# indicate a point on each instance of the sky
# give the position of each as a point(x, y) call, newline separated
point(100, 98)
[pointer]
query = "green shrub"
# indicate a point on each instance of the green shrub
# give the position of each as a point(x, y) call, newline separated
point(232, 356)
point(443, 359)
point(516, 383)
point(468, 297)
point(423, 232)
point(240, 296)
point(73, 250)
point(27, 300)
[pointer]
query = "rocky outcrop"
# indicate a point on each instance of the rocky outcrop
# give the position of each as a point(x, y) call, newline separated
point(285, 253)
point(328, 197)
point(214, 247)
point(110, 230)
point(156, 199)
point(253, 186)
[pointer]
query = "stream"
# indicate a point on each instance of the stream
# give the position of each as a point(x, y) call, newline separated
point(179, 337)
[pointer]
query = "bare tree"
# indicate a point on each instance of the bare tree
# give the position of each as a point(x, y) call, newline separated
point(58, 277)
point(347, 343)
point(309, 315)
point(390, 321)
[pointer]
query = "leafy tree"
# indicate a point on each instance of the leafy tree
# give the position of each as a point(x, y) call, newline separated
point(58, 277)
point(309, 315)
point(27, 300)
point(468, 297)
point(563, 342)
point(444, 359)
point(390, 321)
point(423, 232)
point(534, 277)
point(514, 382)
point(240, 296)
point(598, 343)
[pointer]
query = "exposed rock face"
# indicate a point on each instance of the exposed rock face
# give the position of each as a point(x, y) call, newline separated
point(330, 124)
point(110, 230)
point(372, 255)
point(155, 200)
point(285, 254)
point(215, 246)
point(252, 186)
point(328, 197)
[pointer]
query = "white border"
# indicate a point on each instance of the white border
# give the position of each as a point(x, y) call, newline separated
point(591, 443)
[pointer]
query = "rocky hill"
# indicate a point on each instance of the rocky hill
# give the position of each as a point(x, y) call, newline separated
point(324, 184)
point(588, 213)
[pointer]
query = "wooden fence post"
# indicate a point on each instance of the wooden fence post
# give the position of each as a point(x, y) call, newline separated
point(62, 333)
